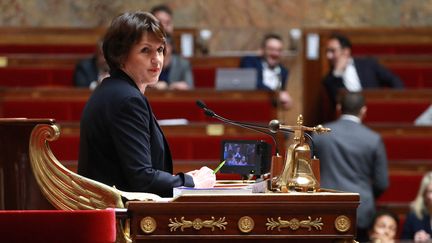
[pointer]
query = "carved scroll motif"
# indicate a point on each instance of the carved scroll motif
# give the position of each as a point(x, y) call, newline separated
point(294, 224)
point(197, 224)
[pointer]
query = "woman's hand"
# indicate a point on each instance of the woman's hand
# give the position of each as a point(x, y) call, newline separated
point(421, 236)
point(203, 178)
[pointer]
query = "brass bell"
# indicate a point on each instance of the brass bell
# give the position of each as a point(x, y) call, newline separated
point(298, 172)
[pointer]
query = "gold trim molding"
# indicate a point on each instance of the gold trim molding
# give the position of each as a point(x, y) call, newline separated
point(148, 225)
point(197, 224)
point(294, 224)
point(342, 223)
point(246, 224)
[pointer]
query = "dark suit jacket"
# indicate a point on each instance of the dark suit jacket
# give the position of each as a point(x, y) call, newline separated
point(121, 143)
point(353, 159)
point(86, 71)
point(256, 62)
point(413, 224)
point(371, 74)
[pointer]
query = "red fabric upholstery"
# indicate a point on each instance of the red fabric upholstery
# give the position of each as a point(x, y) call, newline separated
point(416, 148)
point(34, 77)
point(59, 110)
point(403, 111)
point(403, 188)
point(204, 77)
point(375, 49)
point(58, 226)
point(47, 49)
point(248, 110)
point(414, 76)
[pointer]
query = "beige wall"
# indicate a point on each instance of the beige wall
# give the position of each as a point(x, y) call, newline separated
point(235, 24)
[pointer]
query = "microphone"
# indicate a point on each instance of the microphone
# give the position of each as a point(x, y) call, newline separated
point(253, 127)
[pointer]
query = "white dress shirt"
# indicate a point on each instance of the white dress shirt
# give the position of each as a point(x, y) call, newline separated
point(350, 77)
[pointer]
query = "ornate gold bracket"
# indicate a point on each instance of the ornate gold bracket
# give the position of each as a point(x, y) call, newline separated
point(294, 224)
point(197, 224)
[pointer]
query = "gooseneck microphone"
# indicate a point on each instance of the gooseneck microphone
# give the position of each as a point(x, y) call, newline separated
point(253, 127)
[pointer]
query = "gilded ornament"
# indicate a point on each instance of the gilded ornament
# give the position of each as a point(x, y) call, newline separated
point(246, 224)
point(294, 224)
point(148, 225)
point(342, 223)
point(197, 224)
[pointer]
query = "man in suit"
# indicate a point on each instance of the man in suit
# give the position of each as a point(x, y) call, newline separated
point(272, 75)
point(353, 159)
point(90, 72)
point(353, 74)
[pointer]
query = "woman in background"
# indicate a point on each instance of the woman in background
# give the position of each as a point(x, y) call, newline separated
point(417, 226)
point(384, 227)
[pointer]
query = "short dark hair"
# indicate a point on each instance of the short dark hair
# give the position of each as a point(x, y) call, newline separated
point(126, 30)
point(342, 39)
point(270, 36)
point(382, 213)
point(351, 103)
point(161, 8)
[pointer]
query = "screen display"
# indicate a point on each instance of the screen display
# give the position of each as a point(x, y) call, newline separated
point(239, 154)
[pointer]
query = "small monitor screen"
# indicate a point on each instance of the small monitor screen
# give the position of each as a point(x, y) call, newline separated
point(239, 154)
point(245, 157)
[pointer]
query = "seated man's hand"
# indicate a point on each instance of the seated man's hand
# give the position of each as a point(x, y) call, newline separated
point(285, 100)
point(160, 85)
point(180, 85)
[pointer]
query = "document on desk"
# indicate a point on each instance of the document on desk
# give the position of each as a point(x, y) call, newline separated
point(240, 190)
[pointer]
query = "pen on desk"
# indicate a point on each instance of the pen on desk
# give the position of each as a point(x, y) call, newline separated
point(219, 166)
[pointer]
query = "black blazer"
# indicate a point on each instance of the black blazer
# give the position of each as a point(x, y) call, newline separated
point(256, 62)
point(86, 71)
point(121, 143)
point(413, 224)
point(371, 74)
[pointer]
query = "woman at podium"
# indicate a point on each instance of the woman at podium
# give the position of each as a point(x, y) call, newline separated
point(121, 143)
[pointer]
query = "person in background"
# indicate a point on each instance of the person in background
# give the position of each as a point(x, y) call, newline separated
point(165, 15)
point(90, 72)
point(121, 142)
point(353, 74)
point(272, 75)
point(384, 227)
point(176, 72)
point(417, 225)
point(353, 159)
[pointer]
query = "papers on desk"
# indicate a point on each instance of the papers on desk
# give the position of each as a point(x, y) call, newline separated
point(173, 122)
point(241, 190)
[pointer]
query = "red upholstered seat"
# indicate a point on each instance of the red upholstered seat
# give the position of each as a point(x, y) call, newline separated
point(204, 77)
point(408, 147)
point(35, 77)
point(394, 111)
point(84, 226)
point(414, 76)
point(49, 48)
point(59, 110)
point(403, 188)
point(376, 49)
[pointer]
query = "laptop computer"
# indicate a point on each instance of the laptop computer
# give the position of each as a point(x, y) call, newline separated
point(236, 79)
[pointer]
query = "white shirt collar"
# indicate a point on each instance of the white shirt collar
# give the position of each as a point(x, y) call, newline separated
point(350, 118)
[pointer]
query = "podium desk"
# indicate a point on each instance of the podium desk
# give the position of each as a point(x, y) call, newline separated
point(294, 217)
